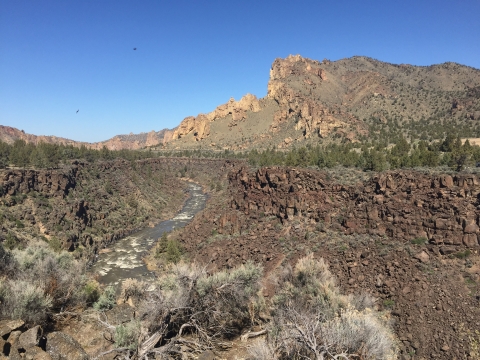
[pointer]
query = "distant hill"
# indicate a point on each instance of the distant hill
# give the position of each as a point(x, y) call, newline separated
point(132, 141)
point(309, 101)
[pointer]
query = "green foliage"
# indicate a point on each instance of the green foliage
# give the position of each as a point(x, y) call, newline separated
point(108, 187)
point(44, 155)
point(132, 201)
point(419, 241)
point(11, 241)
point(19, 224)
point(7, 261)
point(174, 251)
point(389, 303)
point(169, 250)
point(126, 335)
point(374, 155)
point(106, 301)
point(161, 245)
point(92, 291)
point(462, 254)
point(55, 244)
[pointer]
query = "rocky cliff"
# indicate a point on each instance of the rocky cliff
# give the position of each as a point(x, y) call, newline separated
point(84, 206)
point(200, 126)
point(309, 100)
point(442, 209)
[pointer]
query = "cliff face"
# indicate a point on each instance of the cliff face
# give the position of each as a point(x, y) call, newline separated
point(200, 125)
point(308, 100)
point(311, 116)
point(443, 209)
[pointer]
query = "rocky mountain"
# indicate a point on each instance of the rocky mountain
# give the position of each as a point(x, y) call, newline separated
point(309, 100)
point(131, 141)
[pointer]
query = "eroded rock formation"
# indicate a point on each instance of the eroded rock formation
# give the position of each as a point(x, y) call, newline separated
point(200, 125)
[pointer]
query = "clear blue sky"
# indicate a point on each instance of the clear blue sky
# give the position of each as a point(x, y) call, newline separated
point(60, 56)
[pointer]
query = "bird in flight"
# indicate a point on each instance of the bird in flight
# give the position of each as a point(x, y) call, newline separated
point(77, 111)
point(134, 48)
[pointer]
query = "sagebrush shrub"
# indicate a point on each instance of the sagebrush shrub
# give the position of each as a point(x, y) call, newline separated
point(25, 301)
point(39, 282)
point(92, 291)
point(106, 301)
point(126, 335)
point(311, 318)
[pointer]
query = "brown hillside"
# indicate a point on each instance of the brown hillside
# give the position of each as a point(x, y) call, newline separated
point(132, 141)
point(308, 100)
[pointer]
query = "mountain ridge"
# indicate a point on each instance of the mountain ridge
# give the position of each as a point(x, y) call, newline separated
point(310, 101)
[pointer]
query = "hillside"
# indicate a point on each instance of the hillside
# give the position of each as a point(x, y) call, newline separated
point(131, 141)
point(353, 99)
point(310, 102)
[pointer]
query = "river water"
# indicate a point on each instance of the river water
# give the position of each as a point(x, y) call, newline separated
point(123, 259)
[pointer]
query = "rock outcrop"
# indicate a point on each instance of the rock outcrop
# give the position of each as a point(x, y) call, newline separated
point(200, 125)
point(443, 209)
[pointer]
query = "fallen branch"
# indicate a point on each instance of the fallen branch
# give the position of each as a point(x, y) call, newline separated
point(249, 335)
point(148, 344)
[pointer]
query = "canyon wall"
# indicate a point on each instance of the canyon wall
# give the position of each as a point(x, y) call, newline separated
point(405, 205)
point(88, 205)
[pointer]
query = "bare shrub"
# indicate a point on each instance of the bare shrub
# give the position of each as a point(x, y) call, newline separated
point(362, 332)
point(24, 300)
point(207, 308)
point(362, 301)
point(311, 285)
point(41, 281)
point(261, 350)
point(133, 288)
point(312, 319)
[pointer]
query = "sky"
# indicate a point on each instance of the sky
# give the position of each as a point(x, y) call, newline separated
point(57, 56)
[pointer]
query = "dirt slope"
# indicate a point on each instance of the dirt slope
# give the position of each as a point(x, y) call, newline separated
point(410, 239)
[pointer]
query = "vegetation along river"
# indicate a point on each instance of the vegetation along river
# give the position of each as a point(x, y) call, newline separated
point(124, 259)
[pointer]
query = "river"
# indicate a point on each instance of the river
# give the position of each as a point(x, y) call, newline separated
point(124, 258)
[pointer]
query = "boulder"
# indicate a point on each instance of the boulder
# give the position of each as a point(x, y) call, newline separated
point(30, 338)
point(423, 257)
point(7, 326)
point(470, 240)
point(36, 353)
point(61, 346)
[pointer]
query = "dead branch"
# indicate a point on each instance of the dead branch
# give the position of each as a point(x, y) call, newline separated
point(249, 335)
